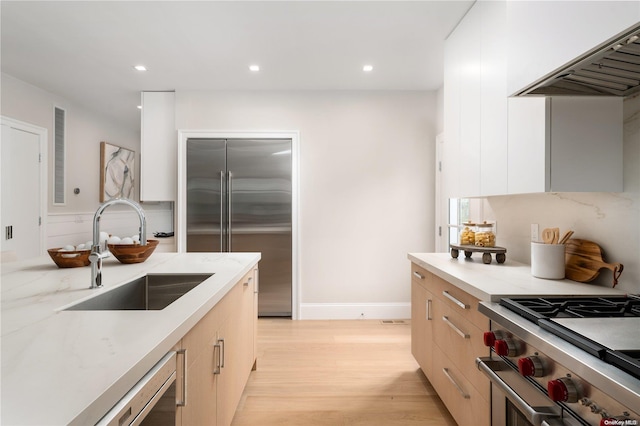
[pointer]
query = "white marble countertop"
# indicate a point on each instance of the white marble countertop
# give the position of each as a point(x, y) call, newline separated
point(70, 367)
point(491, 282)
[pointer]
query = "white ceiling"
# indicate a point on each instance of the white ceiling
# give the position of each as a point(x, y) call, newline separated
point(85, 50)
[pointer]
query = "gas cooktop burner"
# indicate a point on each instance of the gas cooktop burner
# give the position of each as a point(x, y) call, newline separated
point(562, 316)
point(563, 307)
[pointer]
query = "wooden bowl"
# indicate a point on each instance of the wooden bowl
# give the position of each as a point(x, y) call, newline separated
point(133, 253)
point(69, 259)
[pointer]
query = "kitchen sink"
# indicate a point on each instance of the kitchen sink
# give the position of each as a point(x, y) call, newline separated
point(149, 292)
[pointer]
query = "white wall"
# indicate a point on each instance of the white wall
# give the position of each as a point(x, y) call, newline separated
point(366, 186)
point(84, 132)
point(610, 219)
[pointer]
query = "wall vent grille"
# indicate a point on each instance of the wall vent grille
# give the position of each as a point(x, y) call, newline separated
point(59, 131)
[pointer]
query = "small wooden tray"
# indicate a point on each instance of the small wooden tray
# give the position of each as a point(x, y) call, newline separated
point(500, 252)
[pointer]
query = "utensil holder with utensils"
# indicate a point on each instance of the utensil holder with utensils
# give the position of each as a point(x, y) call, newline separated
point(565, 257)
point(548, 258)
point(547, 261)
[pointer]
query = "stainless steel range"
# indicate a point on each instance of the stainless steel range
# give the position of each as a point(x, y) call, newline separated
point(564, 360)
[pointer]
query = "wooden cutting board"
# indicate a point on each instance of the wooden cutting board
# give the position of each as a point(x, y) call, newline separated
point(583, 261)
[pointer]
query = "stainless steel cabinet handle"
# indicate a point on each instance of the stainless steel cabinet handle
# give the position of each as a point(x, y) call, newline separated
point(221, 210)
point(183, 402)
point(429, 318)
point(221, 341)
point(217, 350)
point(230, 176)
point(454, 328)
point(446, 294)
point(451, 379)
point(418, 275)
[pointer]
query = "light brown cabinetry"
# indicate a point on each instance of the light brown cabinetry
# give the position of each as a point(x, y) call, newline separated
point(218, 354)
point(446, 332)
point(421, 322)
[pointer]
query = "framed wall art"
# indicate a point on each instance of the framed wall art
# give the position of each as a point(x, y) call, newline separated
point(117, 177)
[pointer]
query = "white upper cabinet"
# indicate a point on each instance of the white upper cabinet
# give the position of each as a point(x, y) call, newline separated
point(493, 110)
point(565, 144)
point(498, 145)
point(158, 147)
point(475, 103)
point(468, 64)
point(452, 97)
point(543, 36)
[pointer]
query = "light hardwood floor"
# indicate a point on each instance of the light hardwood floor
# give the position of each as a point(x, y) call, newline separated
point(358, 372)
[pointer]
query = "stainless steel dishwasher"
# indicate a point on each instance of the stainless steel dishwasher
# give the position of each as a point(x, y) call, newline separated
point(142, 404)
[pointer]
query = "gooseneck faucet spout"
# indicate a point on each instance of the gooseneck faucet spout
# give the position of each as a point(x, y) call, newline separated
point(97, 255)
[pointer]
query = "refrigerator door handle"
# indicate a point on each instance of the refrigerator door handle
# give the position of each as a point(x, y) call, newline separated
point(229, 191)
point(222, 210)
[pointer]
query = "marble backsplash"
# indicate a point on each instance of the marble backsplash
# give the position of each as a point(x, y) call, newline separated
point(610, 219)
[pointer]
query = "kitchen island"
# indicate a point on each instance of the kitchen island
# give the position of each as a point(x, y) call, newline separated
point(71, 367)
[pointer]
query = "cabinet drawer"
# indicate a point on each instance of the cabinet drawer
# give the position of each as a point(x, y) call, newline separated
point(421, 276)
point(461, 342)
point(459, 300)
point(464, 402)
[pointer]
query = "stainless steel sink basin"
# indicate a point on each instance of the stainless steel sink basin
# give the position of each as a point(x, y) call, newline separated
point(149, 292)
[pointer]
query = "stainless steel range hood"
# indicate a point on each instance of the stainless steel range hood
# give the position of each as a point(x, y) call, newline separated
point(611, 69)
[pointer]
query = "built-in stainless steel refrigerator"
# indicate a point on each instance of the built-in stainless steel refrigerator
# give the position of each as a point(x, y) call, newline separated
point(239, 198)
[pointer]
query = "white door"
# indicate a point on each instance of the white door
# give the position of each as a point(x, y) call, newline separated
point(21, 209)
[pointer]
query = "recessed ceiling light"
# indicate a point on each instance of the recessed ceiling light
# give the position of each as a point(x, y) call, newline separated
point(139, 106)
point(140, 68)
point(367, 68)
point(254, 68)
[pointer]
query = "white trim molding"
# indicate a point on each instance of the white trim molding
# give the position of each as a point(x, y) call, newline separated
point(339, 311)
point(181, 205)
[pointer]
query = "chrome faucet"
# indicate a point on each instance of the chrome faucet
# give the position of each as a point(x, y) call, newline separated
point(97, 255)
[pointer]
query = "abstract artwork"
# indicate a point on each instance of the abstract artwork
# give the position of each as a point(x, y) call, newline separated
point(117, 175)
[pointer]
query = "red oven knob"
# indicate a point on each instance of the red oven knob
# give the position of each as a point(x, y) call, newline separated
point(531, 366)
point(505, 347)
point(490, 337)
point(564, 390)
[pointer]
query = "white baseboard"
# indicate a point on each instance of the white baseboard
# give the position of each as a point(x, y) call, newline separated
point(329, 311)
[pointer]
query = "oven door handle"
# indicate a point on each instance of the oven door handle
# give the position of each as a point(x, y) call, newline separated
point(535, 414)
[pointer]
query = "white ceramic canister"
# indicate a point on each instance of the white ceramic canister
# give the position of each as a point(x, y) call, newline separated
point(547, 260)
